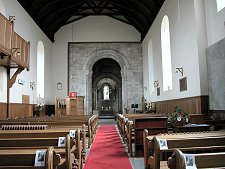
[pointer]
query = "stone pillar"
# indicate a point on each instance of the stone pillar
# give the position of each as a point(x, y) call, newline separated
point(124, 89)
point(120, 101)
point(89, 91)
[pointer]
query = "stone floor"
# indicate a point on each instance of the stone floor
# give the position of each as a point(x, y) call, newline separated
point(137, 163)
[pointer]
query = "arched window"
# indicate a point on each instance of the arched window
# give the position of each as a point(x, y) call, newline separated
point(220, 4)
point(40, 69)
point(106, 92)
point(166, 54)
point(150, 66)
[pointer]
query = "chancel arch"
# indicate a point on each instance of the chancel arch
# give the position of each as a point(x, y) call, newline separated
point(106, 87)
point(122, 63)
point(81, 75)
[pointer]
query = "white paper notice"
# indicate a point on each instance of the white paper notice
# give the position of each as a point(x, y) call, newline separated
point(72, 133)
point(62, 142)
point(163, 144)
point(40, 158)
point(190, 161)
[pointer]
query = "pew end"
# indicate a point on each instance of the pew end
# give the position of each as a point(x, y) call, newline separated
point(25, 158)
point(202, 160)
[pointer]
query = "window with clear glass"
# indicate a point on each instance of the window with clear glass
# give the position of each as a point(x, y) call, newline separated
point(166, 54)
point(106, 92)
point(220, 5)
point(150, 66)
point(40, 69)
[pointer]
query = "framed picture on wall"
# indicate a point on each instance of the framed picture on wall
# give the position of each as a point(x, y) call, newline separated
point(59, 86)
point(158, 91)
point(183, 84)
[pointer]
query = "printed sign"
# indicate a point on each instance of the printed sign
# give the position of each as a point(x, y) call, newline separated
point(72, 133)
point(163, 144)
point(190, 161)
point(40, 158)
point(62, 142)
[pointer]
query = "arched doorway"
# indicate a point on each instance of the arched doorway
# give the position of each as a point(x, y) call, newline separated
point(106, 87)
point(95, 56)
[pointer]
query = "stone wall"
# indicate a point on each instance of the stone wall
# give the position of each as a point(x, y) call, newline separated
point(216, 75)
point(82, 57)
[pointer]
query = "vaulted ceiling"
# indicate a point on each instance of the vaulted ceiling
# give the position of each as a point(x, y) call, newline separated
point(51, 15)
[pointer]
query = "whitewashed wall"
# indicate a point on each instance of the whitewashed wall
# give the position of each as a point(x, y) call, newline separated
point(3, 75)
point(187, 49)
point(27, 29)
point(200, 20)
point(89, 29)
point(215, 22)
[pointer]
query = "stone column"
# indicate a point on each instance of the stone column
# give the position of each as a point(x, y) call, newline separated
point(124, 89)
point(89, 91)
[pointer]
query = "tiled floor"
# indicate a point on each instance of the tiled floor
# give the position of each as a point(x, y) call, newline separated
point(137, 163)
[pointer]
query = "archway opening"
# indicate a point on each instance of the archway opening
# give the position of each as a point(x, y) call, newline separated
point(106, 87)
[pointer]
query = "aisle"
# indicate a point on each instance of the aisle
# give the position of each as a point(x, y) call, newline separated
point(107, 151)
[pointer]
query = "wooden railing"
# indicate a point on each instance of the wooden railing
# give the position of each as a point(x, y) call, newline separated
point(20, 51)
point(6, 32)
point(14, 50)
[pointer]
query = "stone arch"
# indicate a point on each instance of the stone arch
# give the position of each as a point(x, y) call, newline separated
point(106, 53)
point(102, 53)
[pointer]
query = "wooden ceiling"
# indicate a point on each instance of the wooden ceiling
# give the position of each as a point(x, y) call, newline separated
point(51, 15)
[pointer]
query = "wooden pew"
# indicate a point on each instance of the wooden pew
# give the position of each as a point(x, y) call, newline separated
point(54, 131)
point(202, 160)
point(50, 133)
point(122, 121)
point(91, 123)
point(132, 126)
point(24, 127)
point(71, 152)
point(61, 126)
point(24, 159)
point(148, 140)
point(184, 143)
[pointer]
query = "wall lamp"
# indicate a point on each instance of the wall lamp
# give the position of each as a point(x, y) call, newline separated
point(59, 86)
point(156, 83)
point(180, 69)
point(145, 88)
point(12, 18)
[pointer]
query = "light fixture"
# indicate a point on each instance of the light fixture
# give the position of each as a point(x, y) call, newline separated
point(180, 69)
point(156, 83)
point(12, 18)
point(21, 82)
point(59, 86)
point(32, 85)
point(145, 88)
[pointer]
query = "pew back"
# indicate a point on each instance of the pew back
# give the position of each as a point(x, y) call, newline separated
point(202, 160)
point(24, 158)
point(149, 144)
point(185, 144)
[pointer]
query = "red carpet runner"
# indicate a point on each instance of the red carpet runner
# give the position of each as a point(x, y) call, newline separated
point(107, 151)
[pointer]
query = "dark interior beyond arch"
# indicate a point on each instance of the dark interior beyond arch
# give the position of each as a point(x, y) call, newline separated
point(106, 72)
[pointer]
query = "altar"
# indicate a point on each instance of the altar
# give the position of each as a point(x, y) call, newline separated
point(106, 113)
